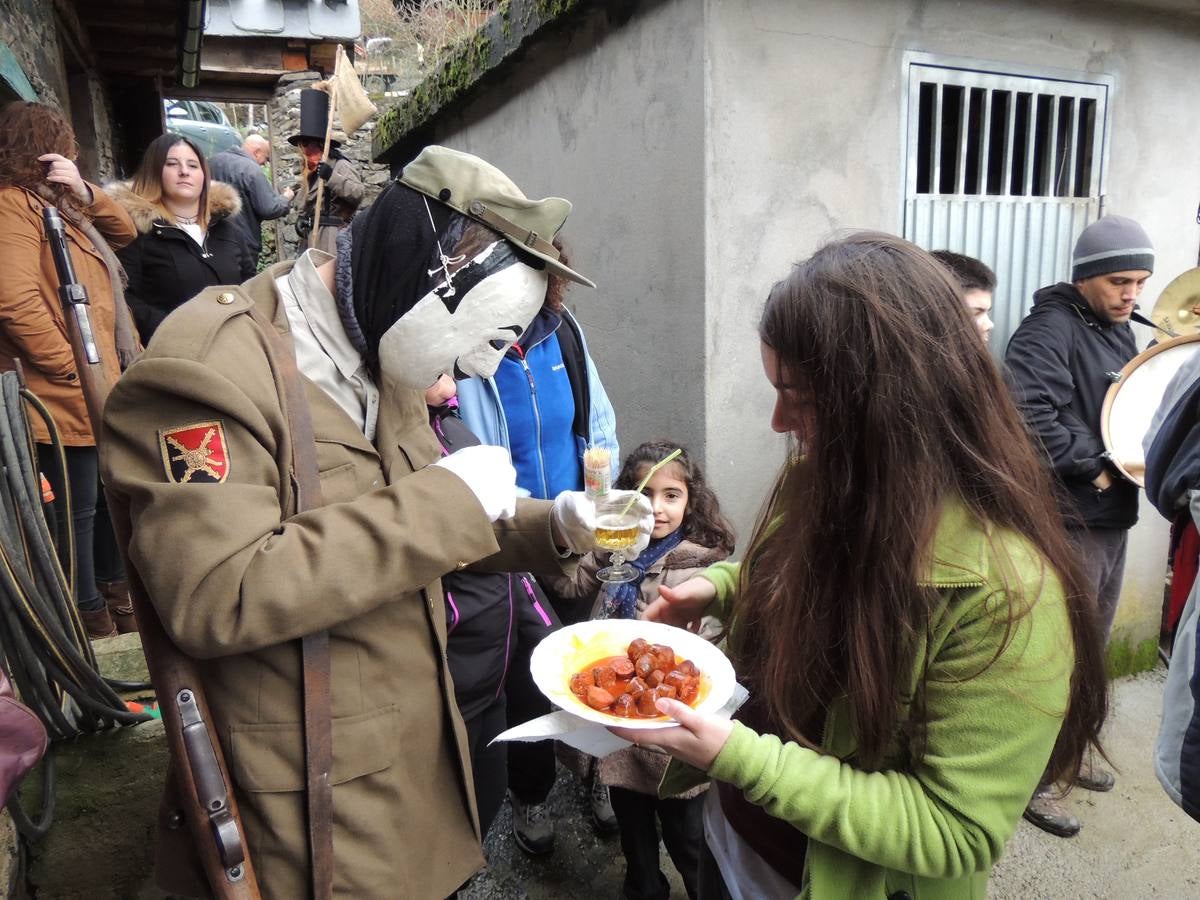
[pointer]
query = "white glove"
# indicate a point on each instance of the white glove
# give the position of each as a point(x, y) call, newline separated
point(573, 518)
point(489, 473)
point(645, 523)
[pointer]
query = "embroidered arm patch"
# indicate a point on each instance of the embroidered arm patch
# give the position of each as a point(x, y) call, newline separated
point(195, 454)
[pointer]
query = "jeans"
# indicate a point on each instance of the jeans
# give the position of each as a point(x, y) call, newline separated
point(682, 833)
point(83, 476)
point(1102, 551)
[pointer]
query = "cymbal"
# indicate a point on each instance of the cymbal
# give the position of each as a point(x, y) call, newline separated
point(1178, 306)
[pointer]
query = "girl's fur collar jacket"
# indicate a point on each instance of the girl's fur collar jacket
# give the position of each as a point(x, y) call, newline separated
point(690, 556)
point(223, 202)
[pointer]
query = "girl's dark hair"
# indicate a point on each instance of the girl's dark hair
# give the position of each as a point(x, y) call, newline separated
point(147, 180)
point(703, 523)
point(907, 412)
point(30, 130)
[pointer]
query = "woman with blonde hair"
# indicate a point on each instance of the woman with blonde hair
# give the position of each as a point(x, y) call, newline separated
point(187, 239)
point(37, 169)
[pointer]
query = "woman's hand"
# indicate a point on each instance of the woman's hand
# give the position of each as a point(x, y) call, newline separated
point(682, 605)
point(697, 740)
point(62, 171)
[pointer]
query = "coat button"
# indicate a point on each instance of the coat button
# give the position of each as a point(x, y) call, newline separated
point(225, 298)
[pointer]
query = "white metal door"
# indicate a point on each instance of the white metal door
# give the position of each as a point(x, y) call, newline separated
point(1006, 168)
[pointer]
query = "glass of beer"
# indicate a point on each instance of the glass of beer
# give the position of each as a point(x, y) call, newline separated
point(616, 530)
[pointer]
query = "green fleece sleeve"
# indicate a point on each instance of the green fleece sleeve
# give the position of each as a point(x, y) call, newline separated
point(724, 576)
point(991, 723)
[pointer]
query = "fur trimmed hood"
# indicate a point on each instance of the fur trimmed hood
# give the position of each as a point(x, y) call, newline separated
point(223, 202)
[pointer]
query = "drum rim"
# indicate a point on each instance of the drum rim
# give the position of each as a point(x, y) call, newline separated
point(1110, 395)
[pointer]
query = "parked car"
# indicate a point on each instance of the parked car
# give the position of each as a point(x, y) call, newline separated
point(203, 122)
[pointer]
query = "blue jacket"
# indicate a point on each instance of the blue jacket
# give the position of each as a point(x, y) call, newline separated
point(549, 462)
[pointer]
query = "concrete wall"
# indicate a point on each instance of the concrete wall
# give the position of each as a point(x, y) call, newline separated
point(805, 115)
point(611, 117)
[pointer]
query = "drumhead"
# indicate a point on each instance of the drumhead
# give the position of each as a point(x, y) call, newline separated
point(1130, 404)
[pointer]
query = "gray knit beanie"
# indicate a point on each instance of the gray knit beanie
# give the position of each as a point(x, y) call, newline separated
point(1112, 244)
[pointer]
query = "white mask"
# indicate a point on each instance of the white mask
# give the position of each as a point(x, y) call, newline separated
point(489, 314)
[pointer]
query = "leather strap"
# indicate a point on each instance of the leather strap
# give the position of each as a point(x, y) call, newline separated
point(314, 648)
point(522, 237)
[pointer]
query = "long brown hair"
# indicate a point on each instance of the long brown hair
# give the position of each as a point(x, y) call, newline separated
point(30, 130)
point(147, 180)
point(703, 523)
point(907, 411)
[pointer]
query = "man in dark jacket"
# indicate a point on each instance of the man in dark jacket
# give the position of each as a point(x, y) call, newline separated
point(1061, 361)
point(242, 168)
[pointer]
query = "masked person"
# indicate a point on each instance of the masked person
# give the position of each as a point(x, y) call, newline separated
point(344, 189)
point(197, 446)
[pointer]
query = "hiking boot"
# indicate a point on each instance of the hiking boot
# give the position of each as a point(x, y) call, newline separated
point(120, 607)
point(602, 811)
point(1048, 814)
point(98, 623)
point(532, 828)
point(1093, 778)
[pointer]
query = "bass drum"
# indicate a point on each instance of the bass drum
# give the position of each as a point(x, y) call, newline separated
point(1130, 404)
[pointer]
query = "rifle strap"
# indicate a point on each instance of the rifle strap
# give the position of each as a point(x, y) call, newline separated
point(314, 648)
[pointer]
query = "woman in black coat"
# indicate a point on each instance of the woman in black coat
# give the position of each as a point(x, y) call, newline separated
point(187, 240)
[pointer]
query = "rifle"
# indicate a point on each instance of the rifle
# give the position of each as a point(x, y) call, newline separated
point(210, 808)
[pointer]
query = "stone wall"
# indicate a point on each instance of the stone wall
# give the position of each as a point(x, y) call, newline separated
point(283, 113)
point(29, 29)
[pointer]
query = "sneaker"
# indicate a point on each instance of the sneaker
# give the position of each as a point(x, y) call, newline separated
point(532, 828)
point(602, 811)
point(1048, 814)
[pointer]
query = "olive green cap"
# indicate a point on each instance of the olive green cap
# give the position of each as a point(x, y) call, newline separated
point(477, 189)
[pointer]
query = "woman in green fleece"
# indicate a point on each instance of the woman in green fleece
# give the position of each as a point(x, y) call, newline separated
point(910, 620)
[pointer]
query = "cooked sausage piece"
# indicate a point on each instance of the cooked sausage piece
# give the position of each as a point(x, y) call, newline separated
point(655, 678)
point(687, 667)
point(665, 690)
point(637, 647)
point(687, 693)
point(604, 676)
point(636, 687)
point(675, 679)
point(580, 682)
point(664, 657)
point(623, 668)
point(645, 705)
point(598, 698)
point(644, 665)
point(624, 706)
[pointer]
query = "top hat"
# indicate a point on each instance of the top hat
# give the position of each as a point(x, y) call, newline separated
point(314, 118)
point(476, 188)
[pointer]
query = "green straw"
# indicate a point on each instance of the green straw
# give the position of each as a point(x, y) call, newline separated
point(654, 468)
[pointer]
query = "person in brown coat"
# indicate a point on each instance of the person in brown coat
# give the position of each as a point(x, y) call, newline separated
point(37, 149)
point(196, 444)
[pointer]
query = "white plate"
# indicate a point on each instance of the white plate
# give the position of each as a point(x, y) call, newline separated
point(568, 650)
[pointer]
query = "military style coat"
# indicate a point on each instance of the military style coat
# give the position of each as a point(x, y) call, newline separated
point(196, 443)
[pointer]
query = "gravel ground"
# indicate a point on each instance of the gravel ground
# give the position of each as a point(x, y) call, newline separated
point(583, 864)
point(1135, 843)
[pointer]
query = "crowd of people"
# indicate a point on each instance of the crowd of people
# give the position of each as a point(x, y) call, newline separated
point(919, 615)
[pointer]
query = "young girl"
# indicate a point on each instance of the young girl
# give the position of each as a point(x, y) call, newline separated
point(910, 620)
point(689, 534)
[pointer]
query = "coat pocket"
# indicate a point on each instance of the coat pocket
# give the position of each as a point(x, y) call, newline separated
point(270, 757)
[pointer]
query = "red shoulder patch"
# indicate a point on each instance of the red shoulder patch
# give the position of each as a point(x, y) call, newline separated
point(195, 454)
